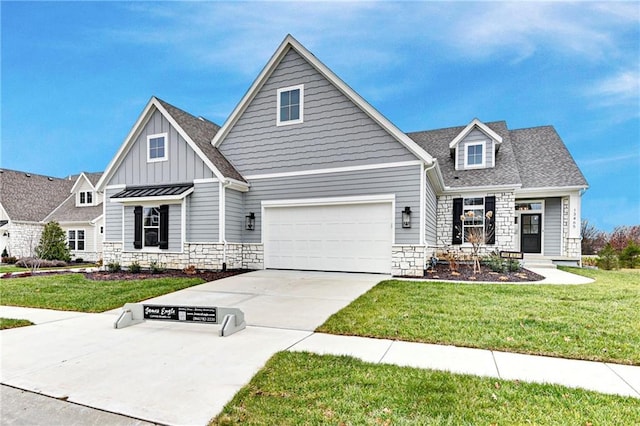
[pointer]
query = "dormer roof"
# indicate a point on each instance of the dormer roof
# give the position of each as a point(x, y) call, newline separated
point(476, 124)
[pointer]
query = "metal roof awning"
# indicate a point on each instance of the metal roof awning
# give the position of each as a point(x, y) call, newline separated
point(153, 193)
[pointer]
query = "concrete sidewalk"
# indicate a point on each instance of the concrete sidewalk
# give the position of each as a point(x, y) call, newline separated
point(597, 376)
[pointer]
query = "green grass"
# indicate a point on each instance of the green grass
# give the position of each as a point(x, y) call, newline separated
point(306, 389)
point(599, 321)
point(73, 292)
point(13, 268)
point(6, 323)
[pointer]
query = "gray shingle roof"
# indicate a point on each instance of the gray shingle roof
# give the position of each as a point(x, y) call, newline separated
point(202, 131)
point(31, 197)
point(68, 212)
point(436, 143)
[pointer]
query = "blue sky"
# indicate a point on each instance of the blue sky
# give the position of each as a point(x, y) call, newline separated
point(76, 75)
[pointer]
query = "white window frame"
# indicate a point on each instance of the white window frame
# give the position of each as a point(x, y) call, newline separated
point(145, 227)
point(86, 196)
point(76, 239)
point(165, 136)
point(300, 118)
point(466, 154)
point(465, 209)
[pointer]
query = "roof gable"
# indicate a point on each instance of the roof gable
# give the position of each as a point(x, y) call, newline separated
point(195, 131)
point(89, 178)
point(289, 43)
point(475, 124)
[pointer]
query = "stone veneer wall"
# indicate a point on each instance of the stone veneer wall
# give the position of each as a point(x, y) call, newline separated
point(23, 239)
point(571, 247)
point(202, 256)
point(504, 231)
point(408, 260)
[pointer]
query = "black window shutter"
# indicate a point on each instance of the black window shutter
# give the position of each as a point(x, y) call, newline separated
point(490, 222)
point(137, 227)
point(457, 223)
point(164, 227)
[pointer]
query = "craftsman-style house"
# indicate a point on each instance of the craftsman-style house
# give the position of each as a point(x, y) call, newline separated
point(305, 174)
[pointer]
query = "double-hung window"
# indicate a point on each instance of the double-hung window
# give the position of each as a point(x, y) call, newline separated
point(290, 105)
point(473, 223)
point(86, 197)
point(157, 147)
point(75, 238)
point(474, 155)
point(151, 226)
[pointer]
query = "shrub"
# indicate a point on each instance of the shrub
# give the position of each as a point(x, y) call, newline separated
point(79, 260)
point(134, 268)
point(589, 261)
point(53, 243)
point(513, 265)
point(99, 262)
point(630, 256)
point(4, 253)
point(156, 268)
point(190, 270)
point(10, 260)
point(607, 258)
point(113, 267)
point(494, 262)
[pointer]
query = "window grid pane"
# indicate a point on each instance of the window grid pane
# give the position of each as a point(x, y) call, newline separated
point(290, 105)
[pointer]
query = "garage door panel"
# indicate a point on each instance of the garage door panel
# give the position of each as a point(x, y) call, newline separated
point(354, 237)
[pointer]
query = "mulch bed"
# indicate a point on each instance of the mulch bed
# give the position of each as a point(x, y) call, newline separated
point(465, 273)
point(124, 275)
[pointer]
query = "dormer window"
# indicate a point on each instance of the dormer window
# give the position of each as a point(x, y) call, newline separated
point(290, 105)
point(157, 147)
point(86, 198)
point(474, 155)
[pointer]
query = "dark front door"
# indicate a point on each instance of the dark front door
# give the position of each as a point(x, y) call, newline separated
point(531, 233)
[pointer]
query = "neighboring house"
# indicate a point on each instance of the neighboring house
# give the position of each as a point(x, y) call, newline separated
point(305, 174)
point(28, 201)
point(80, 216)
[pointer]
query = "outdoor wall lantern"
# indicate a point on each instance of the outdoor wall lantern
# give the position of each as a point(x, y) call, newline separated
point(406, 217)
point(5, 234)
point(250, 221)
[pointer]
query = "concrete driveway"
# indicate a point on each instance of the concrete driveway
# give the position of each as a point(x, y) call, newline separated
point(174, 373)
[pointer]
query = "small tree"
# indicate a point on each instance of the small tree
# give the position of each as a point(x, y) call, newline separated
point(607, 258)
point(53, 243)
point(630, 256)
point(477, 237)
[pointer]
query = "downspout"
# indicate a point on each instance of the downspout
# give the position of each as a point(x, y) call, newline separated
point(222, 221)
point(424, 212)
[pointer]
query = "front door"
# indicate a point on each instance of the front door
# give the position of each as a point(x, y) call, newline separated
point(531, 233)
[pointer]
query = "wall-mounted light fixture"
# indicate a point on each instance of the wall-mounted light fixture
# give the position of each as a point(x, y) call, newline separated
point(406, 217)
point(250, 222)
point(5, 234)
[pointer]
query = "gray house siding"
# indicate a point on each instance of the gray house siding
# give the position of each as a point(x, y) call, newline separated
point(475, 136)
point(112, 217)
point(182, 165)
point(335, 132)
point(430, 211)
point(552, 226)
point(234, 219)
point(404, 182)
point(203, 213)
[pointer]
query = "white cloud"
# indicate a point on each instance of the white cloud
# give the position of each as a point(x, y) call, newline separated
point(623, 87)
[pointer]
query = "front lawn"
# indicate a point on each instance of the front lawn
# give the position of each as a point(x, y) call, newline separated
point(74, 292)
point(305, 389)
point(599, 321)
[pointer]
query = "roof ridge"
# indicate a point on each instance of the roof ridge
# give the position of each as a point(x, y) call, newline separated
point(458, 127)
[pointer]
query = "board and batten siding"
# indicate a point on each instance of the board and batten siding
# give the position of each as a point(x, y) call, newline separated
point(430, 211)
point(175, 230)
point(234, 219)
point(404, 182)
point(473, 137)
point(112, 217)
point(202, 213)
point(182, 165)
point(335, 132)
point(552, 226)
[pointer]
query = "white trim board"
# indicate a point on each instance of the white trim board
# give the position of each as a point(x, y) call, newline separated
point(335, 170)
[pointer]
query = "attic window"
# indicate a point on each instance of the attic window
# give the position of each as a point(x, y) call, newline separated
point(474, 155)
point(86, 197)
point(157, 147)
point(290, 105)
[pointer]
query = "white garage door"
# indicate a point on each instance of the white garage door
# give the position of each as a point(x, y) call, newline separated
point(348, 237)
